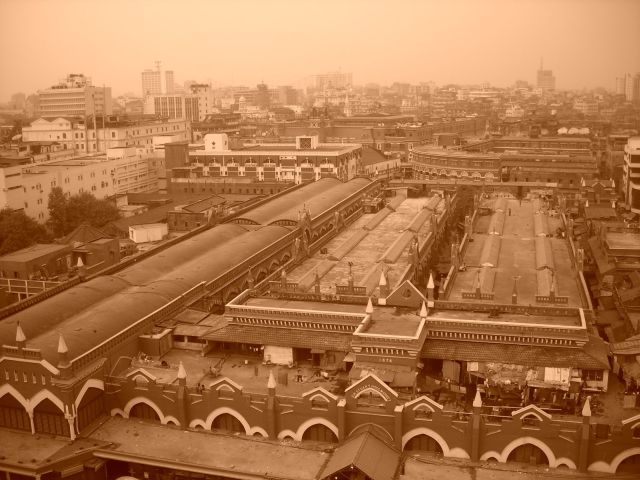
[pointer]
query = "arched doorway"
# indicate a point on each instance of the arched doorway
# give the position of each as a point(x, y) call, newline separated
point(319, 433)
point(528, 453)
point(13, 414)
point(48, 418)
point(630, 465)
point(144, 412)
point(423, 443)
point(91, 407)
point(228, 423)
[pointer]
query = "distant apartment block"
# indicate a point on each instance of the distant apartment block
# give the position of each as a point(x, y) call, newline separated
point(121, 170)
point(110, 132)
point(74, 97)
point(546, 81)
point(631, 174)
point(151, 82)
point(173, 107)
point(204, 93)
point(333, 80)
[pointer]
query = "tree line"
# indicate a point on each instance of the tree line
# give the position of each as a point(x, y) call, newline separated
point(18, 230)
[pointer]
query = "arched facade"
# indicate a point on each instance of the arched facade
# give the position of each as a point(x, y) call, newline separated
point(446, 451)
point(298, 434)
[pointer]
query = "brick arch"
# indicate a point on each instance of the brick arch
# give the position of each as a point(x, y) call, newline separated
point(446, 451)
point(274, 266)
point(206, 424)
point(511, 446)
point(261, 275)
point(602, 466)
point(164, 419)
point(377, 428)
point(45, 394)
point(9, 389)
point(91, 383)
point(297, 435)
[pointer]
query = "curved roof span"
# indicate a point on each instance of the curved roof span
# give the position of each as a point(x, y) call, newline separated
point(318, 197)
point(90, 313)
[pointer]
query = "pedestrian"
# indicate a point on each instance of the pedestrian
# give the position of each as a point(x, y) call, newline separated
point(299, 376)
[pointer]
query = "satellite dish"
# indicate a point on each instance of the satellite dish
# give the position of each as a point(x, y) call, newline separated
point(17, 137)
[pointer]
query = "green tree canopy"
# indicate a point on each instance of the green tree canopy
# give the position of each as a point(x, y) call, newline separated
point(17, 230)
point(66, 213)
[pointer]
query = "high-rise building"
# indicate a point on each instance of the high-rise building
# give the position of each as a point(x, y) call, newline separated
point(151, 82)
point(204, 93)
point(333, 80)
point(168, 75)
point(75, 96)
point(545, 80)
point(619, 85)
point(176, 106)
point(631, 174)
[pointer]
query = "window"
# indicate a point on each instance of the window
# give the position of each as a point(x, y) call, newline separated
point(592, 375)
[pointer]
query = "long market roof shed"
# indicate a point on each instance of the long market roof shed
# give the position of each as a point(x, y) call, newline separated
point(317, 197)
point(90, 313)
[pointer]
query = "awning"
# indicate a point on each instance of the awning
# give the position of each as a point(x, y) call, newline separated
point(550, 386)
point(404, 379)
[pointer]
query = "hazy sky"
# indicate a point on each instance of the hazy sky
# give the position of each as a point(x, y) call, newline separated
point(587, 43)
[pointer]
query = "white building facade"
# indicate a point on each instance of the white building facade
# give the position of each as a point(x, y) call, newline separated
point(74, 97)
point(81, 138)
point(631, 174)
point(121, 170)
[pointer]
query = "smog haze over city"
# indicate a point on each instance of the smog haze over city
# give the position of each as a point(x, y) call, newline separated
point(586, 43)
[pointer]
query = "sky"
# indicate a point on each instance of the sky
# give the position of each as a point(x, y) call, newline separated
point(587, 43)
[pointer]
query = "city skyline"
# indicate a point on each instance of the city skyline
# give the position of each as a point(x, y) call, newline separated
point(250, 42)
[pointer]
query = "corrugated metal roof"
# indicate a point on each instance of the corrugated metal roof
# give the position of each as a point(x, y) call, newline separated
point(592, 356)
point(318, 197)
point(490, 251)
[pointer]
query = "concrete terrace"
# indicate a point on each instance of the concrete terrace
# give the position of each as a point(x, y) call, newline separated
point(246, 370)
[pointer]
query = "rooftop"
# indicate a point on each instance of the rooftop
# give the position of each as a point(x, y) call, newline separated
point(34, 251)
point(515, 255)
point(237, 454)
point(623, 241)
point(371, 243)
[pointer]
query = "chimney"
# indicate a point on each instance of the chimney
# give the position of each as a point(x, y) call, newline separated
point(271, 384)
point(430, 288)
point(384, 286)
point(82, 270)
point(369, 309)
point(317, 283)
point(423, 311)
point(182, 375)
point(63, 357)
point(21, 339)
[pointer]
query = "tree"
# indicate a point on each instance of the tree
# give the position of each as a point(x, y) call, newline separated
point(17, 230)
point(57, 205)
point(65, 214)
